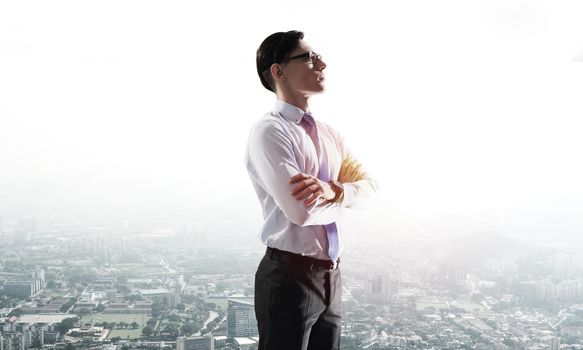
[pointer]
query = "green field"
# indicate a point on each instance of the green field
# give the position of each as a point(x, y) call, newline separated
point(436, 306)
point(126, 333)
point(123, 333)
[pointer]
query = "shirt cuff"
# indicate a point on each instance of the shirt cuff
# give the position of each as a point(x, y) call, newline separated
point(349, 192)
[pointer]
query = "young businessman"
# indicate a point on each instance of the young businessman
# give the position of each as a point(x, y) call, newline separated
point(304, 177)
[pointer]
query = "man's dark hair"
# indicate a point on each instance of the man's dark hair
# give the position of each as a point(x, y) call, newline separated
point(275, 49)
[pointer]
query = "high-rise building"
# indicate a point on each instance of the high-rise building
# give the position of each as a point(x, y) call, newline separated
point(241, 321)
point(39, 273)
point(454, 274)
point(394, 286)
point(195, 343)
point(546, 290)
point(377, 288)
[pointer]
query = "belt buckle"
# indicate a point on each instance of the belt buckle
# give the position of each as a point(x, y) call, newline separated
point(332, 266)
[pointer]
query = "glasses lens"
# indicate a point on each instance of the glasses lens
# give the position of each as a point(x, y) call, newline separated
point(313, 57)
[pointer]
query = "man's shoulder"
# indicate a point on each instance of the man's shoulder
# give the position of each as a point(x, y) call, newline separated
point(328, 128)
point(271, 121)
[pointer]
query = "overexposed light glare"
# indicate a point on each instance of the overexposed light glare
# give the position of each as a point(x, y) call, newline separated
point(466, 112)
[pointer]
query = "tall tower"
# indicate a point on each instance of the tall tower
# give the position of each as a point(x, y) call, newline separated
point(377, 288)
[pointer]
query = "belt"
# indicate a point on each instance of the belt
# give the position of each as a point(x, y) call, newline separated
point(297, 259)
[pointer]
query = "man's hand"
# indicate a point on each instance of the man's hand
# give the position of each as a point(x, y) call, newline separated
point(310, 188)
point(351, 171)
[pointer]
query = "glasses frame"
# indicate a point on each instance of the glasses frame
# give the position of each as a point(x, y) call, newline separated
point(311, 56)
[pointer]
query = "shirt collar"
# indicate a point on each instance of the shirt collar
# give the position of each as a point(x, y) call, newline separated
point(289, 111)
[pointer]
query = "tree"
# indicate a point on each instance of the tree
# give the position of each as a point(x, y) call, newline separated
point(16, 313)
point(147, 331)
point(171, 328)
point(135, 325)
point(187, 328)
point(174, 318)
point(123, 324)
point(67, 324)
point(115, 339)
point(113, 325)
point(68, 305)
point(100, 307)
point(158, 308)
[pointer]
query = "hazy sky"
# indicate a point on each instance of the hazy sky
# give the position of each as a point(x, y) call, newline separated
point(467, 112)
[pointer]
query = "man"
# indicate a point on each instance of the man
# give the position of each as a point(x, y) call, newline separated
point(304, 177)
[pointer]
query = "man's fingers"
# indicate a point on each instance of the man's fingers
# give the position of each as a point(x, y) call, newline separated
point(308, 191)
point(299, 187)
point(298, 177)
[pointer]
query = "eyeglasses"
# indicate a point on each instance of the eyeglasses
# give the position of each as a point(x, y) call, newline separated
point(310, 56)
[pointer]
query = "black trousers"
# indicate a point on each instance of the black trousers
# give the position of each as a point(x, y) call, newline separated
point(297, 305)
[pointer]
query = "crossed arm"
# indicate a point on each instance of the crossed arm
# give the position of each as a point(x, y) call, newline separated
point(303, 198)
point(309, 188)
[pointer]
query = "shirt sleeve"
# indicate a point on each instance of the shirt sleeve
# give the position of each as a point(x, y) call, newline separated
point(358, 194)
point(272, 156)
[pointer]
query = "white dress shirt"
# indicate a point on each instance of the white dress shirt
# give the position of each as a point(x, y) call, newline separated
point(280, 148)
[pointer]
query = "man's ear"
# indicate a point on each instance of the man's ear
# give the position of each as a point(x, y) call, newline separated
point(277, 72)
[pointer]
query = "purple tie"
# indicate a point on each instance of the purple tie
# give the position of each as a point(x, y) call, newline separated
point(309, 125)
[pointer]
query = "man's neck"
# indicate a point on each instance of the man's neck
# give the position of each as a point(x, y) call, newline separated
point(300, 101)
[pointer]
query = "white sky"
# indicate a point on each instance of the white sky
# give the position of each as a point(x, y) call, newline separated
point(465, 111)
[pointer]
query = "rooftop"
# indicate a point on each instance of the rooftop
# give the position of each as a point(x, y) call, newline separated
point(44, 318)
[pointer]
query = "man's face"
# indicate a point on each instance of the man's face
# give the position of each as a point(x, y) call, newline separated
point(305, 74)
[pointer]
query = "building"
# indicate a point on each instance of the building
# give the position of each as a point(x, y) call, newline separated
point(572, 327)
point(220, 341)
point(20, 289)
point(551, 342)
point(195, 343)
point(55, 306)
point(161, 295)
point(241, 321)
point(453, 274)
point(87, 334)
point(377, 288)
point(139, 307)
point(546, 290)
point(244, 343)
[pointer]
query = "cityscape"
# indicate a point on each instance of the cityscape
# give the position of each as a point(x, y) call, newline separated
point(70, 286)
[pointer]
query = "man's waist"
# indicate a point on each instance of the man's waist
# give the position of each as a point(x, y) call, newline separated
point(297, 259)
